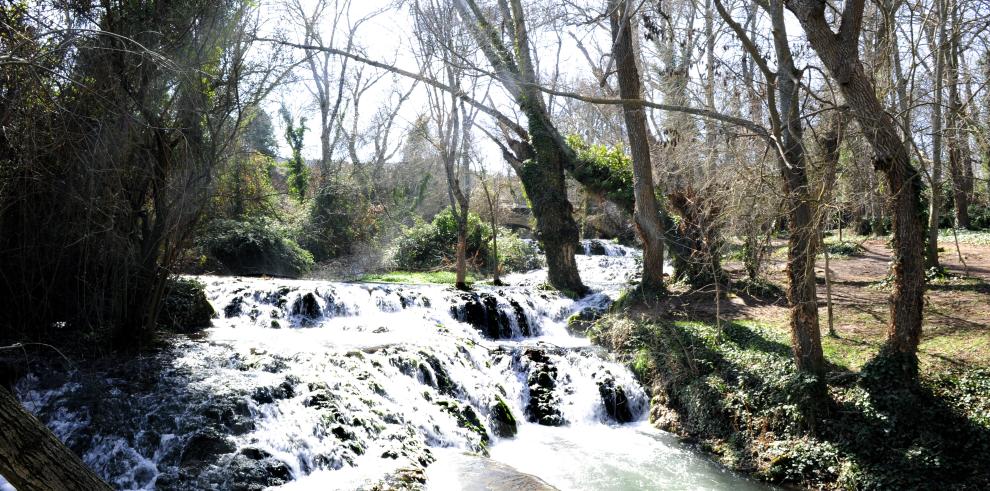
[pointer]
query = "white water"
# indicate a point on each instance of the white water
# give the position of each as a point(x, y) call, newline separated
point(338, 386)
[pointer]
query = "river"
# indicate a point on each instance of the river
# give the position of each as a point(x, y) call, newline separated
point(305, 384)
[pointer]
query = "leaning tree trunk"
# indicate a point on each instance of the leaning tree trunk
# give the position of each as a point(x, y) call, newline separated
point(646, 215)
point(839, 53)
point(33, 458)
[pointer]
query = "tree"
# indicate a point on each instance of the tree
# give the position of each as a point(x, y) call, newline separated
point(839, 52)
point(540, 156)
point(646, 213)
point(32, 457)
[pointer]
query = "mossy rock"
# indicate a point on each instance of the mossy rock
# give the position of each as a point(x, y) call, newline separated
point(185, 308)
point(503, 422)
point(467, 418)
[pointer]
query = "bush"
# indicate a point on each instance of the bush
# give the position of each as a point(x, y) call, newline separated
point(253, 248)
point(433, 245)
point(979, 216)
point(338, 218)
point(843, 249)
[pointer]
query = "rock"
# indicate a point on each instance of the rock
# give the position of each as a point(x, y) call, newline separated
point(615, 400)
point(185, 308)
point(234, 415)
point(503, 422)
point(250, 474)
point(521, 320)
point(436, 376)
point(255, 453)
point(234, 308)
point(542, 380)
point(307, 307)
point(481, 311)
point(268, 395)
point(579, 323)
point(467, 418)
point(596, 248)
point(204, 447)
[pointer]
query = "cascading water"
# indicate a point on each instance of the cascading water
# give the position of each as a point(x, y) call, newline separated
point(322, 385)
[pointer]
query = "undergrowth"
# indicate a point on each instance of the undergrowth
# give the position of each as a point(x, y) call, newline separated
point(735, 391)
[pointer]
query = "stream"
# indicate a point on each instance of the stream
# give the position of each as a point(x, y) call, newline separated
point(304, 384)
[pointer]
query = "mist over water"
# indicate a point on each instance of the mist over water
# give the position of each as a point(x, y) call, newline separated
point(327, 385)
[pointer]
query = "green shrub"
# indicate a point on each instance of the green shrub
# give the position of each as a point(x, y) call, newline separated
point(979, 216)
point(253, 248)
point(844, 249)
point(338, 218)
point(432, 245)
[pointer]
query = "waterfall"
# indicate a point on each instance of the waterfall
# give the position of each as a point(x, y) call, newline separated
point(329, 385)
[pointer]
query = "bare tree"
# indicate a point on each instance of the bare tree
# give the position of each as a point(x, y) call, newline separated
point(839, 52)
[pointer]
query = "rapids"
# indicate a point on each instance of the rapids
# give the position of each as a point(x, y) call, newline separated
point(305, 384)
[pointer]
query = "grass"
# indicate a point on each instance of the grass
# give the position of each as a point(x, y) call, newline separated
point(415, 277)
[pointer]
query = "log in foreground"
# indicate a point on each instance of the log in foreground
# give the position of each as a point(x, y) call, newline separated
point(33, 458)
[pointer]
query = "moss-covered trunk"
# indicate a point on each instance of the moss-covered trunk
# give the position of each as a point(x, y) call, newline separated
point(543, 178)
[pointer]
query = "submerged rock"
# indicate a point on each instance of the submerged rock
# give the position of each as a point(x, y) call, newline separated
point(543, 407)
point(503, 422)
point(468, 419)
point(615, 400)
point(204, 447)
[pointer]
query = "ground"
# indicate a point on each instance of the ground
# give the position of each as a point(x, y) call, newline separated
point(721, 373)
point(956, 331)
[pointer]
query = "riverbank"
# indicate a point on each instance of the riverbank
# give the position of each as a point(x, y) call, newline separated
point(723, 378)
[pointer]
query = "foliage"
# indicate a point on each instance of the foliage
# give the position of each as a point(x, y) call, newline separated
point(736, 390)
point(843, 249)
point(296, 169)
point(979, 216)
point(338, 218)
point(245, 188)
point(610, 169)
point(253, 248)
point(111, 140)
point(433, 245)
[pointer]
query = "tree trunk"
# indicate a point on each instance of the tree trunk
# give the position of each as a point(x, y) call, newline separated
point(802, 291)
point(33, 458)
point(935, 205)
point(461, 280)
point(839, 53)
point(646, 214)
point(956, 137)
point(543, 179)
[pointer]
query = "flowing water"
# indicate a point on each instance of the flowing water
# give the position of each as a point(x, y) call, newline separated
point(325, 385)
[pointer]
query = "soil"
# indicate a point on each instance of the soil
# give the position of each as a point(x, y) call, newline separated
point(956, 330)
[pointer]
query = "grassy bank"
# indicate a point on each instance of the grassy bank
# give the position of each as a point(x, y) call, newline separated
point(733, 389)
point(415, 277)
